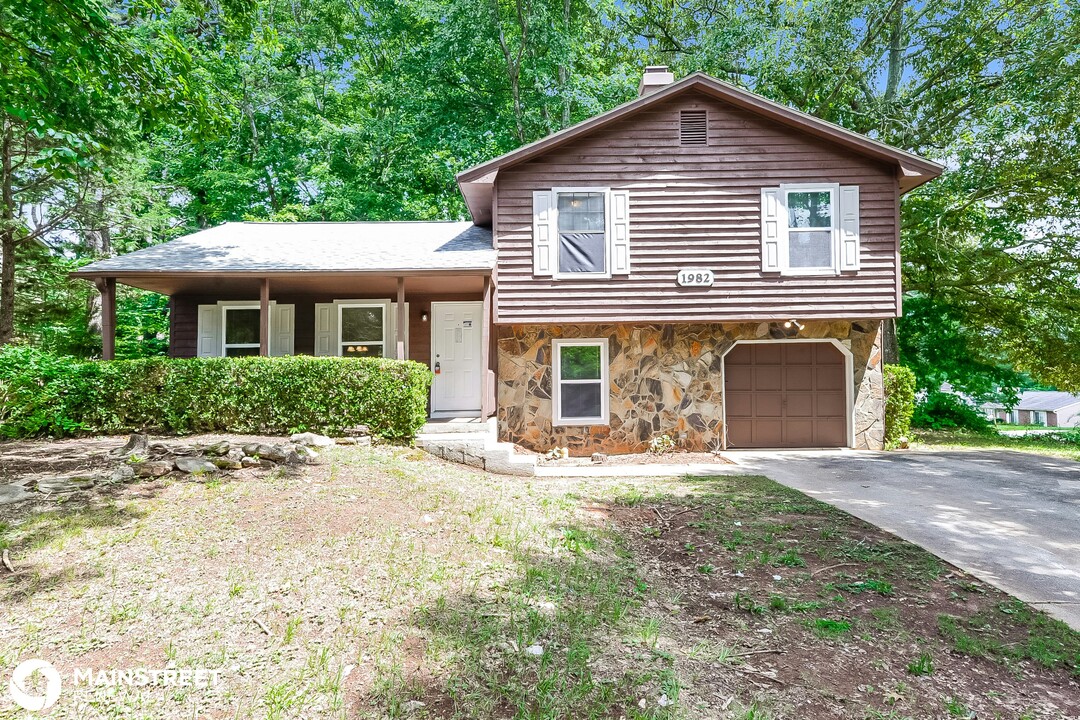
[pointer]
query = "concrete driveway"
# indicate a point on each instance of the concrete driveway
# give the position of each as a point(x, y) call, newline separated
point(1009, 518)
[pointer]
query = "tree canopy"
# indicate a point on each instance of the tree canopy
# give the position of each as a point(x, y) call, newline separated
point(127, 124)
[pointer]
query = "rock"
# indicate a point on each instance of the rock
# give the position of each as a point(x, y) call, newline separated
point(13, 494)
point(311, 440)
point(136, 445)
point(358, 430)
point(195, 465)
point(235, 454)
point(292, 458)
point(412, 706)
point(251, 449)
point(61, 485)
point(266, 464)
point(120, 474)
point(224, 463)
point(269, 452)
point(534, 650)
point(217, 449)
point(307, 454)
point(248, 461)
point(599, 458)
point(152, 468)
point(345, 440)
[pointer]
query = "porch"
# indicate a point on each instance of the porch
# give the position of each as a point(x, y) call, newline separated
point(416, 291)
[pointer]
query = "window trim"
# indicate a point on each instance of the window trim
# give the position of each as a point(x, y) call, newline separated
point(608, 234)
point(383, 305)
point(225, 344)
point(785, 254)
point(557, 419)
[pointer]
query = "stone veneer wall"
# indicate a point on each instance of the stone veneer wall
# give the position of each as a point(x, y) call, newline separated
point(664, 379)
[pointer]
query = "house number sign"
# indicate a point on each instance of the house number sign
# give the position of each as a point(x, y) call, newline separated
point(695, 277)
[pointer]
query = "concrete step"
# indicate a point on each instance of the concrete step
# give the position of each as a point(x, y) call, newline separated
point(477, 449)
point(454, 426)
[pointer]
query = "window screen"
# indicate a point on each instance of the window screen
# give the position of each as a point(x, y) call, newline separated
point(241, 331)
point(579, 372)
point(582, 232)
point(810, 229)
point(361, 333)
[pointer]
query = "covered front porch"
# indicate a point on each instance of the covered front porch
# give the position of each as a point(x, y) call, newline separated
point(410, 291)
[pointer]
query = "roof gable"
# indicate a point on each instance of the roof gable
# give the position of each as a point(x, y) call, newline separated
point(477, 182)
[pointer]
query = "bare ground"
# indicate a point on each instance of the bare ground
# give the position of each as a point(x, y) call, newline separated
point(385, 583)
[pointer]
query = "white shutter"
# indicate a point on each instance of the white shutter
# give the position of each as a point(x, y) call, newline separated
point(620, 232)
point(209, 333)
point(544, 232)
point(326, 329)
point(849, 228)
point(282, 323)
point(773, 230)
point(391, 345)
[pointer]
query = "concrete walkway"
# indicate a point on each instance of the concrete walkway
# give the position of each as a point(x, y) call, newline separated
point(1009, 518)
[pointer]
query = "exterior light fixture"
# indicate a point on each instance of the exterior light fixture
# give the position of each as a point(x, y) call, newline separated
point(793, 323)
point(423, 316)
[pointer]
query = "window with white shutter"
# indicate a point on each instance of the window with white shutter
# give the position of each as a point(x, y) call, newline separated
point(581, 232)
point(810, 229)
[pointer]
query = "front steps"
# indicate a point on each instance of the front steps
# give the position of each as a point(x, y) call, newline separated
point(474, 443)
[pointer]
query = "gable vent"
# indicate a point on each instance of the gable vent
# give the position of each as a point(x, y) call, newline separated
point(693, 127)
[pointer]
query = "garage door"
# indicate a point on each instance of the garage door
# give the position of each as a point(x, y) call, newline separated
point(785, 395)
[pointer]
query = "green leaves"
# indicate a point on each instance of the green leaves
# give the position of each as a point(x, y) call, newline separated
point(42, 393)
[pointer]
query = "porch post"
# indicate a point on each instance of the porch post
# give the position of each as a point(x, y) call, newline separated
point(400, 318)
point(487, 389)
point(264, 318)
point(107, 288)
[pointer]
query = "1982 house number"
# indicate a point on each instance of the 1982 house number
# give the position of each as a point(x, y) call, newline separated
point(695, 277)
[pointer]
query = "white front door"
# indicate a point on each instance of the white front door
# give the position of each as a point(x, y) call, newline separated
point(457, 330)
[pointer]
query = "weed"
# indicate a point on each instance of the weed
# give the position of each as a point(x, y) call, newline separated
point(790, 558)
point(869, 585)
point(706, 569)
point(824, 627)
point(923, 665)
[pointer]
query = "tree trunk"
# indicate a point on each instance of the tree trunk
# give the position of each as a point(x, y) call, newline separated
point(890, 348)
point(7, 238)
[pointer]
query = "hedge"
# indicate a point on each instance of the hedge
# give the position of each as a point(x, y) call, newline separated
point(45, 394)
point(899, 403)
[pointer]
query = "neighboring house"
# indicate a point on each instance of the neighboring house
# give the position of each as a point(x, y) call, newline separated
point(1038, 407)
point(700, 262)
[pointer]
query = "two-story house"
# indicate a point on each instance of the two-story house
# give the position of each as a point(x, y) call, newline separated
point(699, 262)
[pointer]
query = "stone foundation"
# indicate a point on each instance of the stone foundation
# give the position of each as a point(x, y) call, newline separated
point(664, 379)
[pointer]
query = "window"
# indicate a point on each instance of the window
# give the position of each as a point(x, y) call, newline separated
point(361, 330)
point(1038, 417)
point(582, 232)
point(580, 382)
point(811, 227)
point(241, 336)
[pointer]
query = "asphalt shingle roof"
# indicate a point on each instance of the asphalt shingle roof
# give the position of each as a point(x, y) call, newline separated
point(313, 247)
point(1048, 400)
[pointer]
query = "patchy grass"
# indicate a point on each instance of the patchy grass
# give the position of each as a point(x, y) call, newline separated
point(868, 626)
point(387, 584)
point(1065, 443)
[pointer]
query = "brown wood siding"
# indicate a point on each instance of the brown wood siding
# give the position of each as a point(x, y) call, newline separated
point(184, 320)
point(695, 207)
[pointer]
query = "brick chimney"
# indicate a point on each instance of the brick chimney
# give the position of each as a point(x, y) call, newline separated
point(655, 77)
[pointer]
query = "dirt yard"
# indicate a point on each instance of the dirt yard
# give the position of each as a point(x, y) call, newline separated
point(385, 583)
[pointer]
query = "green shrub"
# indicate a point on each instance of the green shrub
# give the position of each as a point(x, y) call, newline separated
point(899, 403)
point(42, 393)
point(940, 411)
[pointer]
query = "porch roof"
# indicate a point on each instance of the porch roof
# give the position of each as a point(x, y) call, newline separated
point(311, 247)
